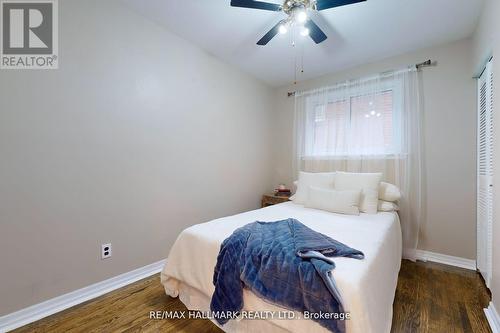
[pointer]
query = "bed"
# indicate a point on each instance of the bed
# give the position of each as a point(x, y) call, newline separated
point(367, 286)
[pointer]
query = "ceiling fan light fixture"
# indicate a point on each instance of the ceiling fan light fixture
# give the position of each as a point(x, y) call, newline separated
point(301, 16)
point(298, 15)
point(304, 32)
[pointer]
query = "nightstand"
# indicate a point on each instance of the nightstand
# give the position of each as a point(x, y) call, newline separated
point(271, 199)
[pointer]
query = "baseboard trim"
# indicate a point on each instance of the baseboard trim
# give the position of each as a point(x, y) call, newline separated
point(63, 302)
point(493, 318)
point(446, 259)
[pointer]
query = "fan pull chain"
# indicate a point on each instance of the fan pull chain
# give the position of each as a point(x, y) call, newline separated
point(302, 58)
point(295, 57)
point(298, 64)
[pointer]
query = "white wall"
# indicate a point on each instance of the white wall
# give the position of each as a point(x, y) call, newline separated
point(449, 134)
point(487, 43)
point(138, 135)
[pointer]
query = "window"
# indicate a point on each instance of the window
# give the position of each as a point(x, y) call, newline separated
point(368, 124)
point(355, 125)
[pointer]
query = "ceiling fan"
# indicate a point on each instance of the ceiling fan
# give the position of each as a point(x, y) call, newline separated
point(297, 11)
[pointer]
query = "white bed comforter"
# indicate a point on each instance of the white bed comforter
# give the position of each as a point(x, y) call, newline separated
point(367, 286)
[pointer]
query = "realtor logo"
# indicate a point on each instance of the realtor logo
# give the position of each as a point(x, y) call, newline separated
point(28, 33)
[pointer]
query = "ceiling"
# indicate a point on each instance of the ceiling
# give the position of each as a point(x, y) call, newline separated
point(357, 34)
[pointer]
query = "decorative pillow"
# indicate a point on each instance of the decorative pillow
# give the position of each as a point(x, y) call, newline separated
point(388, 192)
point(343, 202)
point(387, 206)
point(367, 183)
point(306, 179)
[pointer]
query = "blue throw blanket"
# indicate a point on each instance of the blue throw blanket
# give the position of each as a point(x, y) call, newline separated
point(284, 262)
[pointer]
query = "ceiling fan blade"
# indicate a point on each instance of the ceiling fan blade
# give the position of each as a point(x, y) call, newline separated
point(270, 35)
point(325, 4)
point(316, 34)
point(256, 5)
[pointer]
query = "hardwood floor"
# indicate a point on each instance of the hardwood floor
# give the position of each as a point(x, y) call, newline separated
point(429, 298)
point(438, 298)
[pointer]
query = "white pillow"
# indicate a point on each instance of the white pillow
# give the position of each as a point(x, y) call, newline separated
point(306, 179)
point(343, 202)
point(388, 192)
point(387, 206)
point(367, 183)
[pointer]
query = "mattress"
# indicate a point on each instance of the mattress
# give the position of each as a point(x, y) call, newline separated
point(367, 286)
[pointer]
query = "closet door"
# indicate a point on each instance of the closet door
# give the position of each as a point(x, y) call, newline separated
point(485, 174)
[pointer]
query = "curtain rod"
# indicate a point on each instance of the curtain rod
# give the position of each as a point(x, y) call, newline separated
point(427, 63)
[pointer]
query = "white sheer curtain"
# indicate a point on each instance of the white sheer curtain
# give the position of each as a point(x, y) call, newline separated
point(371, 124)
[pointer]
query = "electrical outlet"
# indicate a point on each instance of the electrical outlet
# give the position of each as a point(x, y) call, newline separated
point(106, 251)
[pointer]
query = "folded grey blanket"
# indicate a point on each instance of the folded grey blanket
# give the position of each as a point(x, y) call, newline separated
point(284, 262)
